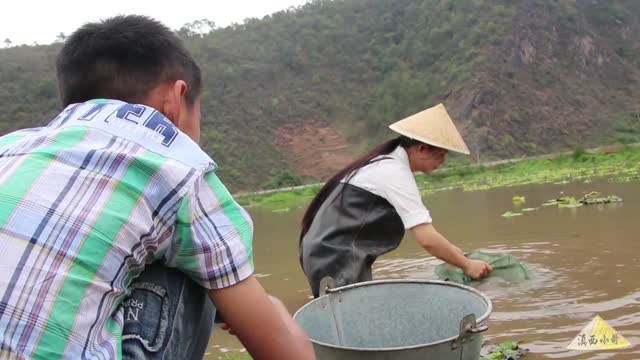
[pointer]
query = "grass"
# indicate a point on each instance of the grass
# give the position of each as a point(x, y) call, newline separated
point(579, 166)
point(279, 201)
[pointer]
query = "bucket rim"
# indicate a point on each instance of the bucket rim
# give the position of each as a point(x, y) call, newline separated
point(484, 317)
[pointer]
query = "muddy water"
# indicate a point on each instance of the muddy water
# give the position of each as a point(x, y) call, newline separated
point(587, 262)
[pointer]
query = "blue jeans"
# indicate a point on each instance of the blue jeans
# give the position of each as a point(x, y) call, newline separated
point(167, 316)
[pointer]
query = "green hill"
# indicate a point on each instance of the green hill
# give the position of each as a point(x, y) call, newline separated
point(303, 90)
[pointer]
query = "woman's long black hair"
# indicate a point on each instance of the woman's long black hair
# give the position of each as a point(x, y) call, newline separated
point(350, 170)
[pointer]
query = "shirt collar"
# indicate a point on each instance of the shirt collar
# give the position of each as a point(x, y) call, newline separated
point(401, 155)
point(137, 123)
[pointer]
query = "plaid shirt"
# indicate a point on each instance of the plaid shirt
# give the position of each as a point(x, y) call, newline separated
point(85, 202)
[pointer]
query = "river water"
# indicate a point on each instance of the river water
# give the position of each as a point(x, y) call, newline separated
point(586, 261)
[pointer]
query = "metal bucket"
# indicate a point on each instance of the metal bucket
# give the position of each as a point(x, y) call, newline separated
point(396, 319)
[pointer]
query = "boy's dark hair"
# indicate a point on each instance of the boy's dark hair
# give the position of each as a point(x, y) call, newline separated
point(123, 58)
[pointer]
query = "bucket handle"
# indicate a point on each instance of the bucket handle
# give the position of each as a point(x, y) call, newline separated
point(468, 328)
point(326, 284)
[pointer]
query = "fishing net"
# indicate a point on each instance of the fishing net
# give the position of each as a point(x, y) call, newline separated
point(505, 266)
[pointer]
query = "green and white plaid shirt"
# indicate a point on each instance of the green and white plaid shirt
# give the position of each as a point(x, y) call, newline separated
point(85, 203)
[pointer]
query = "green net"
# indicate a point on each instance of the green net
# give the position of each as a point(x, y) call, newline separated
point(504, 266)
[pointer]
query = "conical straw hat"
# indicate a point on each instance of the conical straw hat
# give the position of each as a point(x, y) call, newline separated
point(434, 127)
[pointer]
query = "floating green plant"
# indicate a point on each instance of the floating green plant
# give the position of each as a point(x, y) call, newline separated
point(519, 200)
point(509, 214)
point(509, 350)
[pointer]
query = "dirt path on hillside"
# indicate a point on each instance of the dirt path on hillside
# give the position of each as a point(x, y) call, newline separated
point(313, 149)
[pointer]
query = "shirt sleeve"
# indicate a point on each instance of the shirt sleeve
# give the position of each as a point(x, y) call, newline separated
point(213, 236)
point(402, 192)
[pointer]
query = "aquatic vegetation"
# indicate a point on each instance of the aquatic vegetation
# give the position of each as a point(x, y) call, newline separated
point(571, 202)
point(592, 194)
point(552, 202)
point(509, 350)
point(509, 214)
point(600, 200)
point(519, 199)
point(623, 166)
point(568, 202)
point(588, 199)
point(623, 179)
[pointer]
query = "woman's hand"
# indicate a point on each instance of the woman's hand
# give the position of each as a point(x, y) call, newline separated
point(438, 246)
point(477, 269)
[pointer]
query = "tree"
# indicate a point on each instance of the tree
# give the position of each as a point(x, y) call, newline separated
point(284, 179)
point(197, 28)
point(61, 37)
point(7, 42)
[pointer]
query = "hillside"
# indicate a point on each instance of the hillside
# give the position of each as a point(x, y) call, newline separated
point(305, 89)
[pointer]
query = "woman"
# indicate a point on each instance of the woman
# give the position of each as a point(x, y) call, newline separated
point(363, 211)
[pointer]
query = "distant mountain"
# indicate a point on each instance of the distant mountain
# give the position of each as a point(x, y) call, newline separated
point(304, 90)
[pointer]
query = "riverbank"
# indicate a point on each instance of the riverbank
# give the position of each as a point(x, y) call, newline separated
point(620, 163)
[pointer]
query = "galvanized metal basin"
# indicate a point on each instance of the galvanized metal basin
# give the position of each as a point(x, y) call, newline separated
point(396, 319)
